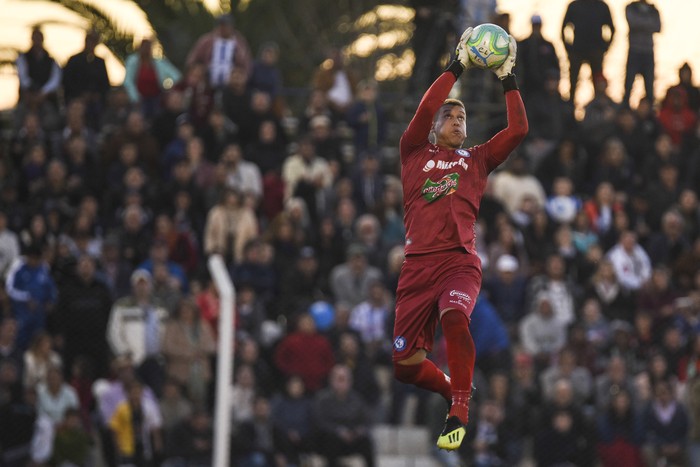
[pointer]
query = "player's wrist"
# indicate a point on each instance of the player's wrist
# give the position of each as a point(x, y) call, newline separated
point(456, 68)
point(509, 82)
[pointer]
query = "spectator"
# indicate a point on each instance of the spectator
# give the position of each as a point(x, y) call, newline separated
point(644, 21)
point(676, 116)
point(136, 327)
point(685, 81)
point(85, 76)
point(666, 421)
point(242, 175)
point(367, 117)
point(350, 352)
point(306, 353)
point(32, 292)
point(308, 176)
point(24, 434)
point(303, 284)
point(592, 33)
point(336, 80)
point(558, 287)
point(266, 75)
point(243, 393)
point(620, 432)
point(188, 345)
point(491, 338)
point(630, 262)
point(566, 368)
point(82, 315)
point(505, 289)
point(190, 441)
point(147, 77)
point(538, 62)
point(38, 359)
point(72, 443)
point(541, 334)
point(197, 93)
point(222, 50)
point(230, 225)
point(55, 397)
point(291, 413)
point(39, 81)
point(342, 420)
point(616, 301)
point(254, 440)
point(174, 407)
point(514, 184)
point(372, 320)
point(9, 245)
point(350, 281)
point(136, 428)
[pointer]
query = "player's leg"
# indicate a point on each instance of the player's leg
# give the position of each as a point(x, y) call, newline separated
point(456, 304)
point(414, 329)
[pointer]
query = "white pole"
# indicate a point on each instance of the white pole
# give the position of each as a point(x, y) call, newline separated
point(224, 367)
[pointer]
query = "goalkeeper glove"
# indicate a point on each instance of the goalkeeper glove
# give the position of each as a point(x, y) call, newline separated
point(461, 54)
point(507, 68)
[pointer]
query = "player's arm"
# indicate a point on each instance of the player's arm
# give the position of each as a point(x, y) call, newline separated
point(416, 133)
point(505, 141)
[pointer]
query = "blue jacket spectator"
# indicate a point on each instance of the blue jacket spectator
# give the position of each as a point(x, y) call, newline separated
point(32, 292)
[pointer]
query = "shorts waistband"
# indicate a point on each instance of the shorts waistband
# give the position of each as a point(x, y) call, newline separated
point(459, 249)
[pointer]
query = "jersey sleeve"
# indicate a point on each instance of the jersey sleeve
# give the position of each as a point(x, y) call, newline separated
point(505, 141)
point(418, 129)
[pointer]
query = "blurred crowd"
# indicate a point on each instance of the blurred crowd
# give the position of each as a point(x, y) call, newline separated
point(113, 197)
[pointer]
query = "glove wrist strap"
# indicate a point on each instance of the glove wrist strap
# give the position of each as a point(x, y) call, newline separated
point(509, 83)
point(456, 68)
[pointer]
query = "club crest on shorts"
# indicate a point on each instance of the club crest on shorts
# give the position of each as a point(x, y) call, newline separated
point(399, 343)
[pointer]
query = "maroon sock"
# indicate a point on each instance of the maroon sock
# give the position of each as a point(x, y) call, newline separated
point(461, 355)
point(425, 375)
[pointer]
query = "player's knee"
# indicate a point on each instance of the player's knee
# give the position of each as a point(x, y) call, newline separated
point(406, 373)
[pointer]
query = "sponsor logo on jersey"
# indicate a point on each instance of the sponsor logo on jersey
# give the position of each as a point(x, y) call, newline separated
point(463, 153)
point(430, 165)
point(447, 185)
point(399, 343)
point(461, 295)
point(449, 165)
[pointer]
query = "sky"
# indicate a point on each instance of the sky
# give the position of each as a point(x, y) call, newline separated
point(678, 42)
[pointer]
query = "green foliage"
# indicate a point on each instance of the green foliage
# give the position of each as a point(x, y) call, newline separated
point(119, 42)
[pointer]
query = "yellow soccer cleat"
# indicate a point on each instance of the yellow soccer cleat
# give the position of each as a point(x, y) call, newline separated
point(452, 435)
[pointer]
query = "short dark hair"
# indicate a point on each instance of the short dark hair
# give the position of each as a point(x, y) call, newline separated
point(451, 103)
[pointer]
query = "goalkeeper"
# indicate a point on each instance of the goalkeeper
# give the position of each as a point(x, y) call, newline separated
point(440, 279)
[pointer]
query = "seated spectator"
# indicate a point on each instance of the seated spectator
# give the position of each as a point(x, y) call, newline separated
point(72, 443)
point(350, 352)
point(266, 75)
point(174, 407)
point(230, 225)
point(559, 442)
point(505, 289)
point(254, 440)
point(136, 428)
point(541, 334)
point(676, 116)
point(291, 413)
point(243, 393)
point(256, 271)
point(306, 353)
point(666, 423)
point(191, 440)
point(8, 342)
point(342, 420)
point(367, 117)
point(491, 338)
point(372, 319)
point(250, 353)
point(620, 432)
point(38, 358)
point(350, 281)
point(55, 397)
point(630, 262)
point(566, 369)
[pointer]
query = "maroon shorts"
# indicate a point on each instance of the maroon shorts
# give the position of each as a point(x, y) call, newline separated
point(428, 285)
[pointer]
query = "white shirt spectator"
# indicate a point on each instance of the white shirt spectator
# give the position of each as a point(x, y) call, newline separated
point(221, 61)
point(630, 262)
point(9, 248)
point(541, 332)
point(54, 406)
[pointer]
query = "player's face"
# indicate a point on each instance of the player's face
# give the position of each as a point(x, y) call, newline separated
point(451, 126)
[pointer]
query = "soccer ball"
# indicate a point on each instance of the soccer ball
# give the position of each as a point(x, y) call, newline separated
point(487, 46)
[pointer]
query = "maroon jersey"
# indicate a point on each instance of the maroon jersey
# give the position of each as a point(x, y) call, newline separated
point(442, 187)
